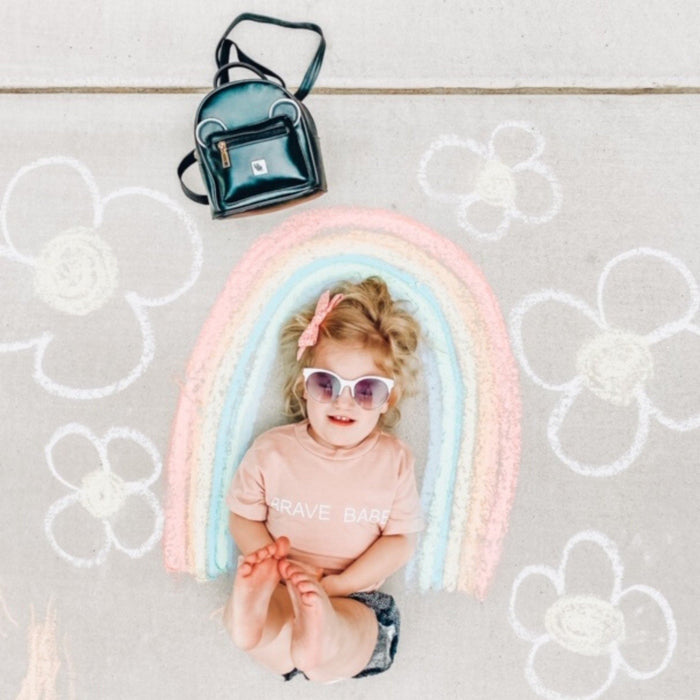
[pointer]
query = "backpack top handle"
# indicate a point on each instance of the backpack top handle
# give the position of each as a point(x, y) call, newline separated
point(223, 50)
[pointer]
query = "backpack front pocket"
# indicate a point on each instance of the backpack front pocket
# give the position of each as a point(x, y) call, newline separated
point(250, 163)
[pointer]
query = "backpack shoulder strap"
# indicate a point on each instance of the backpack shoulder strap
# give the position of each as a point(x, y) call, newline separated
point(185, 163)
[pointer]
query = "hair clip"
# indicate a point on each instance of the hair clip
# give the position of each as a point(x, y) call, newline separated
point(324, 306)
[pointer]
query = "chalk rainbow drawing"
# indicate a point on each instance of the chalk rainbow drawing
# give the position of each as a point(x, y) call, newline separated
point(474, 411)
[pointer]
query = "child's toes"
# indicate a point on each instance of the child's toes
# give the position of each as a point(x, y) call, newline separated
point(306, 585)
point(245, 568)
point(284, 567)
point(281, 547)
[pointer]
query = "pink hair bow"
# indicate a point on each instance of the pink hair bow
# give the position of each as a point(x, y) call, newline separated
point(309, 337)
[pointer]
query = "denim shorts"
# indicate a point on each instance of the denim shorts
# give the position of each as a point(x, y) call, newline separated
point(388, 622)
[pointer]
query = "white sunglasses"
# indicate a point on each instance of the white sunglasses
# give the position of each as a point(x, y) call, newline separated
point(368, 392)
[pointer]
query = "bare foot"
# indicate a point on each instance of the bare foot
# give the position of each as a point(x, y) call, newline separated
point(314, 638)
point(256, 579)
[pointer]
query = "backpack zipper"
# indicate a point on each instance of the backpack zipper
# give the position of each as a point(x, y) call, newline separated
point(225, 160)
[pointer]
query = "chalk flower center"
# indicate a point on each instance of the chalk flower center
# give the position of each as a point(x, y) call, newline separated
point(495, 184)
point(102, 493)
point(614, 364)
point(585, 624)
point(76, 272)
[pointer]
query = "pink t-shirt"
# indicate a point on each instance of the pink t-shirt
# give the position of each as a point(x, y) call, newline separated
point(332, 503)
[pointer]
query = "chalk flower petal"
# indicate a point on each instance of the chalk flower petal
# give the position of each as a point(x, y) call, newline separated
point(23, 324)
point(501, 214)
point(91, 529)
point(539, 195)
point(535, 586)
point(86, 452)
point(674, 388)
point(516, 143)
point(591, 565)
point(168, 244)
point(631, 285)
point(548, 654)
point(141, 525)
point(68, 196)
point(442, 154)
point(567, 404)
point(560, 320)
point(651, 632)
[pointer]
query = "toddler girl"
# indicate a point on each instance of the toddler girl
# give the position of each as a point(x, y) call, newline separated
point(324, 509)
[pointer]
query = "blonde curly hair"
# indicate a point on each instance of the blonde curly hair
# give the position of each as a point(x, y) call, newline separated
point(367, 315)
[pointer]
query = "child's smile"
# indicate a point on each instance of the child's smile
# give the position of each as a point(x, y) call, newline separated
point(341, 420)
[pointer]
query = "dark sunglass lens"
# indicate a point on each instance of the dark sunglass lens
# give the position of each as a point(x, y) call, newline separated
point(321, 386)
point(371, 393)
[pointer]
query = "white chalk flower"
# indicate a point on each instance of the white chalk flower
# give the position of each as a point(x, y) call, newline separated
point(625, 341)
point(585, 628)
point(80, 272)
point(471, 176)
point(103, 510)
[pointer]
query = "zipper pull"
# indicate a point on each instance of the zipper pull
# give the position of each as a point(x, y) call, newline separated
point(225, 160)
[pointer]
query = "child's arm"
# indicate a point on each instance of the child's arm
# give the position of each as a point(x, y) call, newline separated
point(249, 535)
point(387, 555)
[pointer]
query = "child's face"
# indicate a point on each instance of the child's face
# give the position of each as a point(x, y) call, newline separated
point(342, 423)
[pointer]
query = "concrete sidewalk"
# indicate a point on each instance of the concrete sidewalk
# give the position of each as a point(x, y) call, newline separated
point(551, 152)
